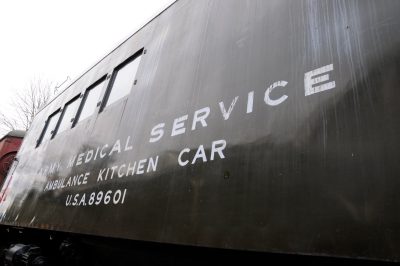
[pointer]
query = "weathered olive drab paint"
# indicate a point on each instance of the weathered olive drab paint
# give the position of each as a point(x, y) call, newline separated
point(257, 125)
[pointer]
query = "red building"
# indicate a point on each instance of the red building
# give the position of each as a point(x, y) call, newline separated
point(9, 146)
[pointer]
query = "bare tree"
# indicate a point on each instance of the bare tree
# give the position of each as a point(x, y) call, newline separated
point(28, 103)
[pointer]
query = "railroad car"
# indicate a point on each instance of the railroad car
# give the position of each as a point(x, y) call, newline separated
point(9, 145)
point(247, 127)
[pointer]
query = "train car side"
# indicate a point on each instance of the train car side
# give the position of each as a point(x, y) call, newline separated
point(9, 146)
point(269, 126)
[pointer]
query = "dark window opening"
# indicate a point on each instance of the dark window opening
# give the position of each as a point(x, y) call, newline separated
point(49, 128)
point(123, 79)
point(90, 101)
point(69, 114)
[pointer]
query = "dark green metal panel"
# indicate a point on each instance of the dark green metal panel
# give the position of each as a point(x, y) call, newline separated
point(280, 125)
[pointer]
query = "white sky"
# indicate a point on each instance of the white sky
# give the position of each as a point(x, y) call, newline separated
point(53, 39)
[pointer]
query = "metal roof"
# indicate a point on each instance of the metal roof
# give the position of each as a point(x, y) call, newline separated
point(15, 134)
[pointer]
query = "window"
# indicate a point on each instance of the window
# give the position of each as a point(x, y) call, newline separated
point(90, 101)
point(123, 78)
point(69, 114)
point(50, 127)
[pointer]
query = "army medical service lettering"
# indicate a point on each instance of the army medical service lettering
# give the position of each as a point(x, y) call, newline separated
point(315, 81)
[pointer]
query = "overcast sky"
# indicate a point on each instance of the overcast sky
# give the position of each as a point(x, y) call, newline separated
point(51, 40)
